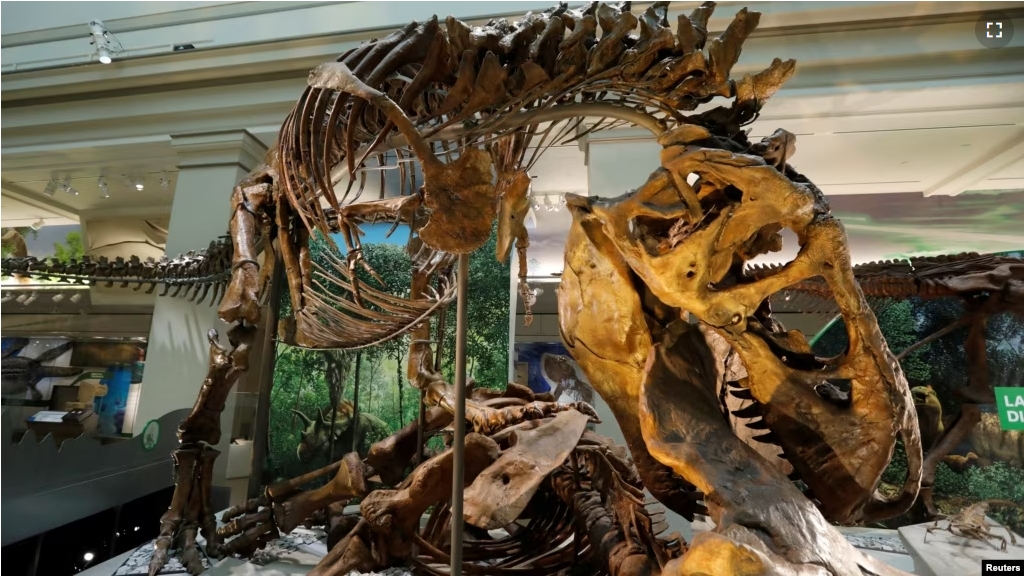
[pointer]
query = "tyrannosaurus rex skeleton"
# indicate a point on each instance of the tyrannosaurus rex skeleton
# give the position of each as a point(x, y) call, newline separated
point(466, 102)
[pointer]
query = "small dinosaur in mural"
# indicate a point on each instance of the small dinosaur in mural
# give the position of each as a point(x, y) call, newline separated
point(20, 373)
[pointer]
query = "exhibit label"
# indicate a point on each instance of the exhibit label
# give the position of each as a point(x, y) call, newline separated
point(1010, 402)
point(150, 435)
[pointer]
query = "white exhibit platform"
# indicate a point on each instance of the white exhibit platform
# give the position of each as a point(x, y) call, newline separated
point(943, 554)
point(298, 552)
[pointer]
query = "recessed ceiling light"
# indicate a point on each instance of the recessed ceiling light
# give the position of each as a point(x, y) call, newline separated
point(139, 185)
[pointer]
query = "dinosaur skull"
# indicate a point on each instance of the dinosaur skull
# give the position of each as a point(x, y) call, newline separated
point(688, 245)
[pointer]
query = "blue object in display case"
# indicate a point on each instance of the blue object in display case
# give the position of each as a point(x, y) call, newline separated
point(110, 408)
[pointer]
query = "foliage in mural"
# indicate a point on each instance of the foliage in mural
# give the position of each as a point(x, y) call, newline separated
point(305, 380)
point(72, 248)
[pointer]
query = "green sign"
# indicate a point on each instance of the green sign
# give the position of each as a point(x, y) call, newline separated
point(1010, 402)
point(150, 435)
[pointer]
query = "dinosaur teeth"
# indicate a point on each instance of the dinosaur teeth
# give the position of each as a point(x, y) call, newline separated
point(743, 394)
point(757, 425)
point(752, 411)
point(766, 438)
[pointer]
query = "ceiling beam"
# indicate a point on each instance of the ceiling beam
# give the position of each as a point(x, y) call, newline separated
point(157, 211)
point(28, 197)
point(970, 176)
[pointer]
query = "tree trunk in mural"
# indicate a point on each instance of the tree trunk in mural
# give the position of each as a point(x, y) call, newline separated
point(355, 403)
point(401, 387)
point(337, 364)
point(978, 391)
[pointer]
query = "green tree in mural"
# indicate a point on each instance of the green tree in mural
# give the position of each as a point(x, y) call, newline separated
point(899, 324)
point(72, 249)
point(303, 379)
point(488, 315)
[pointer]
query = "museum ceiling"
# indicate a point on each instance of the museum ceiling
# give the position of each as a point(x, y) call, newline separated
point(893, 127)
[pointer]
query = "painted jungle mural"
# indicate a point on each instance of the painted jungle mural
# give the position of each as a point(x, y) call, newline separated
point(989, 462)
point(331, 402)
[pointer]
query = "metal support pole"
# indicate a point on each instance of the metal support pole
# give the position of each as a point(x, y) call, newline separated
point(513, 308)
point(265, 376)
point(459, 445)
point(438, 356)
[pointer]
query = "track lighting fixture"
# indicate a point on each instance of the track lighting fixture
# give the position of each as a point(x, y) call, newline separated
point(31, 298)
point(101, 40)
point(549, 202)
point(67, 187)
point(51, 187)
point(37, 224)
point(101, 183)
point(139, 184)
point(75, 298)
point(6, 298)
point(58, 297)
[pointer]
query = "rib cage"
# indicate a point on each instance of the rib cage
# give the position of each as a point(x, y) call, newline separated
point(342, 322)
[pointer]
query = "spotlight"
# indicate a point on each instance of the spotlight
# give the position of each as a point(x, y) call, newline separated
point(37, 224)
point(31, 298)
point(66, 186)
point(100, 39)
point(58, 297)
point(51, 187)
point(7, 298)
point(104, 189)
point(139, 184)
point(75, 298)
point(88, 556)
point(21, 298)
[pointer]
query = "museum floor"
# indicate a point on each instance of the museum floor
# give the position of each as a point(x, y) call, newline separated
point(300, 551)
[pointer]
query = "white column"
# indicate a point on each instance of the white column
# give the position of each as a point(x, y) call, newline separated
point(210, 165)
